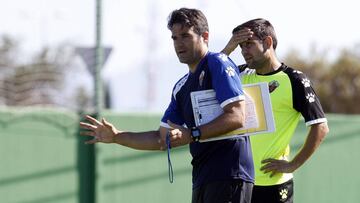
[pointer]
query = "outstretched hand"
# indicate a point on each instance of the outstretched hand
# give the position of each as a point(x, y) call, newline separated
point(102, 131)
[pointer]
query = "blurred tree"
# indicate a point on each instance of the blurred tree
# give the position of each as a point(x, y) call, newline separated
point(8, 48)
point(337, 83)
point(342, 84)
point(38, 82)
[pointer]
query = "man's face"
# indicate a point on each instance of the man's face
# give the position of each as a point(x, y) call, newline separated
point(253, 52)
point(188, 45)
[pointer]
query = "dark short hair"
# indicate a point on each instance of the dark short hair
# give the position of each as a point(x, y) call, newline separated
point(261, 28)
point(189, 18)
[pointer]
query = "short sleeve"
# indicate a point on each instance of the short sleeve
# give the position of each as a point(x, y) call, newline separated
point(172, 114)
point(225, 79)
point(305, 99)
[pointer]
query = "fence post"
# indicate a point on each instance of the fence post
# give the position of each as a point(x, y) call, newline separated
point(86, 163)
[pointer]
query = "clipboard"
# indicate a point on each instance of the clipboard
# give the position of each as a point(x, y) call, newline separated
point(258, 110)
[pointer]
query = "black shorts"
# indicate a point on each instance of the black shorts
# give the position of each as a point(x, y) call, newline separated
point(232, 191)
point(274, 193)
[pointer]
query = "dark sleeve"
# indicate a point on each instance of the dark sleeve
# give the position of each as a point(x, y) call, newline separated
point(172, 114)
point(305, 99)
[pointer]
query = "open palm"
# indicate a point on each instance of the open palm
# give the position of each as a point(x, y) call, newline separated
point(101, 131)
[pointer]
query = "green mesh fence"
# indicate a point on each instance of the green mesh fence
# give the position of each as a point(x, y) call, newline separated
point(43, 160)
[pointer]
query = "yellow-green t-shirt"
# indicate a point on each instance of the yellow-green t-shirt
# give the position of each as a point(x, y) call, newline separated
point(291, 96)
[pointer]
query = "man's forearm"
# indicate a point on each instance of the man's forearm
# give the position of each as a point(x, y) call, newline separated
point(231, 119)
point(227, 51)
point(139, 140)
point(315, 137)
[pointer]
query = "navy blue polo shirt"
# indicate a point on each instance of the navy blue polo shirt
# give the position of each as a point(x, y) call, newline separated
point(216, 160)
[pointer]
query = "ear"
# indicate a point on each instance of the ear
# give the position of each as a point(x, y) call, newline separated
point(268, 42)
point(205, 35)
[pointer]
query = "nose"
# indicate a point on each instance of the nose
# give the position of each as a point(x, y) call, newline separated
point(178, 43)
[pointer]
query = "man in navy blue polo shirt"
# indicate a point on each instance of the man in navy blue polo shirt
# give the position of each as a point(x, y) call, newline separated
point(223, 169)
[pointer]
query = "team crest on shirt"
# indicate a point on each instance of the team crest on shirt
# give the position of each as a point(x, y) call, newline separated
point(201, 78)
point(273, 85)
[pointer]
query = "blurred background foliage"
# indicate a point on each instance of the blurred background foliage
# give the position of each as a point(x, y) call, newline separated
point(336, 80)
point(41, 80)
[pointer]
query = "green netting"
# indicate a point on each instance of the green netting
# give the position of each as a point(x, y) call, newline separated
point(43, 160)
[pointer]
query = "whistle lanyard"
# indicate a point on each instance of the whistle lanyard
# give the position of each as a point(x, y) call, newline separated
point(170, 168)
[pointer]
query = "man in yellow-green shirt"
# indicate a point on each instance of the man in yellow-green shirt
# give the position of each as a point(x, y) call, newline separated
point(292, 96)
